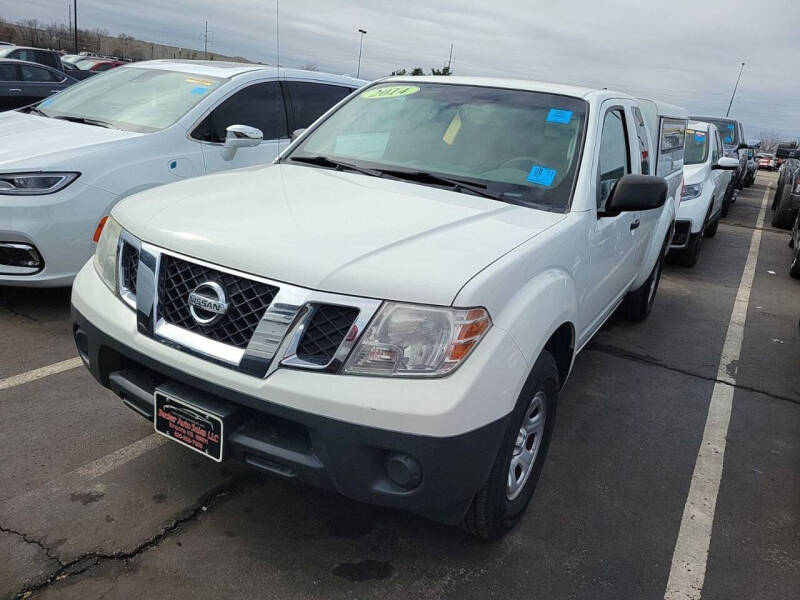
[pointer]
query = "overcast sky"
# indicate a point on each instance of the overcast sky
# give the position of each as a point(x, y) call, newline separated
point(683, 51)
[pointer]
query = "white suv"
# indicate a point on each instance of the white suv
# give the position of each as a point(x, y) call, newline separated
point(67, 161)
point(391, 309)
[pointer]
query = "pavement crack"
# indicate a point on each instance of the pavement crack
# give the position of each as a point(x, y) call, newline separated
point(10, 308)
point(90, 560)
point(29, 540)
point(650, 360)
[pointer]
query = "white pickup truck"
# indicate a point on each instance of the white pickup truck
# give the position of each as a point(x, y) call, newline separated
point(391, 309)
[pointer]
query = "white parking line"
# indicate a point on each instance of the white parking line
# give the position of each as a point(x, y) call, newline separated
point(688, 570)
point(28, 376)
point(116, 459)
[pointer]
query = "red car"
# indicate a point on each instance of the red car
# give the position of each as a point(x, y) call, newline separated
point(98, 64)
point(767, 161)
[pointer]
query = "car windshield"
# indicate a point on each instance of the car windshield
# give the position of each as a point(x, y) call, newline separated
point(727, 131)
point(696, 150)
point(518, 146)
point(131, 98)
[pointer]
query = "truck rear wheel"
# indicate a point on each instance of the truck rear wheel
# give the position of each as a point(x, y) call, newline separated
point(783, 217)
point(500, 504)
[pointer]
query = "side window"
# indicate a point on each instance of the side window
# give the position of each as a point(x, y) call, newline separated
point(24, 54)
point(671, 145)
point(103, 67)
point(641, 133)
point(8, 72)
point(259, 105)
point(715, 148)
point(46, 58)
point(614, 155)
point(310, 100)
point(37, 74)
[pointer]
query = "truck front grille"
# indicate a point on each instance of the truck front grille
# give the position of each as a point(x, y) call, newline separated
point(129, 264)
point(325, 332)
point(247, 300)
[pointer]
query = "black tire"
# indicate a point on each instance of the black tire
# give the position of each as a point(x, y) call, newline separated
point(711, 229)
point(783, 217)
point(778, 195)
point(637, 305)
point(724, 210)
point(492, 514)
point(689, 255)
point(794, 268)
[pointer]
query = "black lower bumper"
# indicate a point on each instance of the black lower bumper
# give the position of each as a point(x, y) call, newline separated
point(432, 476)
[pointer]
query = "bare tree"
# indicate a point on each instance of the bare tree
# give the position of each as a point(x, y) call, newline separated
point(310, 66)
point(770, 140)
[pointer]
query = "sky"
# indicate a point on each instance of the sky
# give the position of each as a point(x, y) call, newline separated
point(687, 52)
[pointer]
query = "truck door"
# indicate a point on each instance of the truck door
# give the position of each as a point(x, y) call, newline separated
point(612, 248)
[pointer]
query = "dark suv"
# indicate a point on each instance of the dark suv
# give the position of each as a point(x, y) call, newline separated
point(48, 58)
point(732, 134)
point(786, 202)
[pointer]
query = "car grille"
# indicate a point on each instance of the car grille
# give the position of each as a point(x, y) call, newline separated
point(247, 300)
point(325, 331)
point(130, 267)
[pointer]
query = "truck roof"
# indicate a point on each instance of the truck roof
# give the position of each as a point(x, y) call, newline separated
point(665, 109)
point(562, 89)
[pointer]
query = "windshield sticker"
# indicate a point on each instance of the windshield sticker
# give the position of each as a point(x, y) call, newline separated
point(699, 136)
point(728, 139)
point(199, 90)
point(730, 126)
point(452, 130)
point(46, 102)
point(392, 91)
point(204, 82)
point(542, 176)
point(556, 115)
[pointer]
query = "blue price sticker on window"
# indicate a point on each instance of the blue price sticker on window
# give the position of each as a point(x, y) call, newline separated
point(199, 89)
point(46, 102)
point(728, 139)
point(730, 126)
point(541, 176)
point(700, 136)
point(556, 115)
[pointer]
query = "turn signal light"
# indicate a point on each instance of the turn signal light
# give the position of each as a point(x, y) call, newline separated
point(99, 229)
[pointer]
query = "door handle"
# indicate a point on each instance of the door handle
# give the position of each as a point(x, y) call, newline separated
point(635, 224)
point(15, 90)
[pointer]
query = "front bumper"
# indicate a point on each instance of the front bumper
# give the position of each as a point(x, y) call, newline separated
point(58, 227)
point(355, 460)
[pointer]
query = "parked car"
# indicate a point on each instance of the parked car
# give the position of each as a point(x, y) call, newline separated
point(732, 134)
point(794, 244)
point(132, 128)
point(752, 167)
point(786, 202)
point(98, 64)
point(23, 83)
point(6, 43)
point(48, 58)
point(336, 319)
point(73, 71)
point(766, 161)
point(73, 58)
point(707, 174)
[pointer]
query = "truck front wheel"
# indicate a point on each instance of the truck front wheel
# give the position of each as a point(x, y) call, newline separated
point(500, 504)
point(636, 306)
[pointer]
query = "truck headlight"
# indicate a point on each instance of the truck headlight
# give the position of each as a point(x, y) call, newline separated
point(105, 255)
point(34, 184)
point(406, 340)
point(690, 192)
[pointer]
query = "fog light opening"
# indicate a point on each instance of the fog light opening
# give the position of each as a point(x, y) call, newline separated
point(403, 470)
point(82, 344)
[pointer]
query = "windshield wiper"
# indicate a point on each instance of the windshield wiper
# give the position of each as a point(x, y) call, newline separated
point(457, 185)
point(37, 110)
point(85, 121)
point(339, 165)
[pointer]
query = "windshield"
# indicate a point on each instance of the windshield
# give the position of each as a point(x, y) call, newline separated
point(727, 131)
point(520, 146)
point(131, 98)
point(696, 151)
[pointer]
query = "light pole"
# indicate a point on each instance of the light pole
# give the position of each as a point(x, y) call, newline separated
point(75, 15)
point(363, 32)
point(734, 90)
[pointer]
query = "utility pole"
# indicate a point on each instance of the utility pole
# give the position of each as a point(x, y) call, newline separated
point(734, 90)
point(75, 16)
point(278, 33)
point(363, 32)
point(450, 60)
point(205, 41)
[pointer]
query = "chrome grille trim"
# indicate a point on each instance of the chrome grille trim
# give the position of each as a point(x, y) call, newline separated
point(274, 342)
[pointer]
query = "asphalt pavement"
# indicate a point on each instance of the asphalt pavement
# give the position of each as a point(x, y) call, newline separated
point(93, 504)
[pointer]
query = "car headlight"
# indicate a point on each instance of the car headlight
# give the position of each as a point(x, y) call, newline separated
point(34, 184)
point(406, 340)
point(690, 192)
point(105, 255)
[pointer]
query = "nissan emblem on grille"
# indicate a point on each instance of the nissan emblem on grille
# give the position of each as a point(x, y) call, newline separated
point(207, 303)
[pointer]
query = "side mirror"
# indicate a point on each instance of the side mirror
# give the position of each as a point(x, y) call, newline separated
point(297, 133)
point(726, 163)
point(743, 146)
point(240, 136)
point(636, 192)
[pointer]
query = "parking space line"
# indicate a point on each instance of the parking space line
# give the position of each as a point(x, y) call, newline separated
point(28, 376)
point(689, 559)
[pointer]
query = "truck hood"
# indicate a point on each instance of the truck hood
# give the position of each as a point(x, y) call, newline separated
point(333, 231)
point(694, 174)
point(35, 142)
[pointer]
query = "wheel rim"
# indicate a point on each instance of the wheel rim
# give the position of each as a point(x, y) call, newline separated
point(526, 446)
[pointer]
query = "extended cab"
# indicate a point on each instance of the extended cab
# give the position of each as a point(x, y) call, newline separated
point(391, 309)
